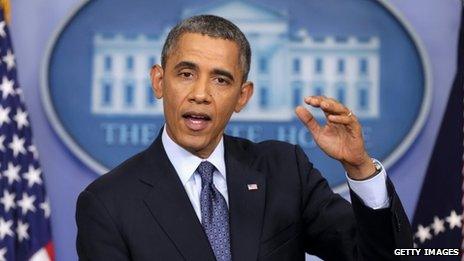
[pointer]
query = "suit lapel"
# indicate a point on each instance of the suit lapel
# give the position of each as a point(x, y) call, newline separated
point(170, 206)
point(246, 205)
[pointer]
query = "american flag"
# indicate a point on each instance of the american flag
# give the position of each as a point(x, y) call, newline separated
point(24, 208)
point(439, 212)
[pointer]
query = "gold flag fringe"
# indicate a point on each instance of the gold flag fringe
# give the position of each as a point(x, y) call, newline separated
point(6, 8)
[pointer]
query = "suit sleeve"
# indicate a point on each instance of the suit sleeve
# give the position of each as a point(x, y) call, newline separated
point(97, 235)
point(336, 230)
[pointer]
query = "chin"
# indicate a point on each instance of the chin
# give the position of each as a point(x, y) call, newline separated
point(193, 143)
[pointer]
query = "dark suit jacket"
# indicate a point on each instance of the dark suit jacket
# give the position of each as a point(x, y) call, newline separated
point(140, 211)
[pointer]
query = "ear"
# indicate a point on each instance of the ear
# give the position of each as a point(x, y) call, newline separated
point(156, 75)
point(246, 92)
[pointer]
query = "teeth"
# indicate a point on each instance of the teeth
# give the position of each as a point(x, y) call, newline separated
point(197, 117)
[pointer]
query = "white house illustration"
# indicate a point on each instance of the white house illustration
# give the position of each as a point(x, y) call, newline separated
point(285, 68)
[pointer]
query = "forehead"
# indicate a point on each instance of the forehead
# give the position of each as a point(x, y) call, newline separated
point(205, 51)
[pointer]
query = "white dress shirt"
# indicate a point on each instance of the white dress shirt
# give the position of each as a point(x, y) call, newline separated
point(186, 165)
point(373, 191)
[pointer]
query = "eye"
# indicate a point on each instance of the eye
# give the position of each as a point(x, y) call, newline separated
point(222, 81)
point(186, 74)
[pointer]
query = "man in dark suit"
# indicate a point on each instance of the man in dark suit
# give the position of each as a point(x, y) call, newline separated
point(197, 194)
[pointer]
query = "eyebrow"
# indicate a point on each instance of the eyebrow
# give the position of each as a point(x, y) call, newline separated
point(186, 64)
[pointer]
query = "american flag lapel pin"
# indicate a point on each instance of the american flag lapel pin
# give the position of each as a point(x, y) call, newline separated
point(252, 186)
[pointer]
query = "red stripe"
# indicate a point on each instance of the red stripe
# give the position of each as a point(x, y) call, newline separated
point(50, 251)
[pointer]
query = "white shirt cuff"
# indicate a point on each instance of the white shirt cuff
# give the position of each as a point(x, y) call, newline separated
point(373, 191)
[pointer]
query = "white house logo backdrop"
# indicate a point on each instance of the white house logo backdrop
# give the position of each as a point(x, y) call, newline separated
point(97, 91)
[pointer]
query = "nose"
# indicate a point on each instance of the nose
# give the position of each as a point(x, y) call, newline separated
point(200, 93)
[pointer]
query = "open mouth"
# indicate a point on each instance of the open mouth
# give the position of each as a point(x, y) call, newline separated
point(196, 121)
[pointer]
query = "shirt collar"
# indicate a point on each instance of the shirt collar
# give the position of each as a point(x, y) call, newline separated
point(185, 163)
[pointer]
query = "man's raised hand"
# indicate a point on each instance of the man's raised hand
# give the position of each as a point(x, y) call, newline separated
point(341, 138)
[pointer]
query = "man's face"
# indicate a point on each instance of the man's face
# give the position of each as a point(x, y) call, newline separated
point(201, 86)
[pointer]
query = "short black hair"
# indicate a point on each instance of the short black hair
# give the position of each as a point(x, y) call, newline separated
point(213, 26)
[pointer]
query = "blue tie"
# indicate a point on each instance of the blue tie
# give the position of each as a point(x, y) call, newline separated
point(214, 214)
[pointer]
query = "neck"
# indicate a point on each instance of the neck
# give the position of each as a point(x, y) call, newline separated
point(203, 152)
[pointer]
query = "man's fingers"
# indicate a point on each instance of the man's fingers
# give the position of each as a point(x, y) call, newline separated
point(341, 119)
point(332, 106)
point(307, 119)
point(328, 105)
point(314, 101)
point(334, 111)
point(349, 120)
